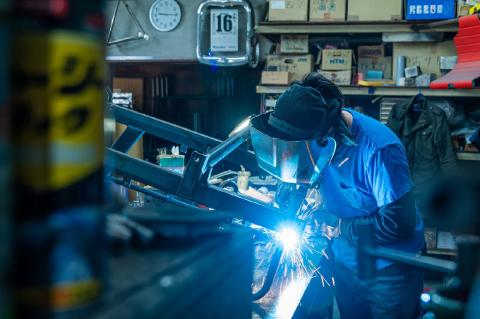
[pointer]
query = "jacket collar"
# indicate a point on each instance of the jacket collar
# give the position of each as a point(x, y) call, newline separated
point(423, 120)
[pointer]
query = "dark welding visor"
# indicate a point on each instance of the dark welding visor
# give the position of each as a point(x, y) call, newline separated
point(291, 161)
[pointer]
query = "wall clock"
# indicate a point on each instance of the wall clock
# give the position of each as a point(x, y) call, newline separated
point(165, 15)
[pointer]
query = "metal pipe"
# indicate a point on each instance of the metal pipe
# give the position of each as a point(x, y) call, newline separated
point(225, 148)
point(367, 251)
point(272, 270)
point(124, 40)
point(114, 17)
point(135, 20)
point(445, 266)
point(181, 135)
point(153, 192)
point(214, 197)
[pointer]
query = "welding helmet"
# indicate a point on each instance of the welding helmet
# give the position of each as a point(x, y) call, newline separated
point(292, 143)
point(291, 161)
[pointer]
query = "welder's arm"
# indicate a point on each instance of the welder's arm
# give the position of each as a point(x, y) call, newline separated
point(393, 222)
point(388, 178)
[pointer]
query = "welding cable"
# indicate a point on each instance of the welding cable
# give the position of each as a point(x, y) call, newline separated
point(272, 270)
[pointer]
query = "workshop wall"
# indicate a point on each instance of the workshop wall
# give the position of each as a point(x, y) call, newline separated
point(176, 45)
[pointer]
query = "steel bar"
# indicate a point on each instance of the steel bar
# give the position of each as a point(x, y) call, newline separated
point(114, 17)
point(127, 139)
point(154, 193)
point(126, 39)
point(180, 135)
point(222, 150)
point(135, 20)
point(142, 171)
point(244, 208)
point(210, 196)
point(426, 262)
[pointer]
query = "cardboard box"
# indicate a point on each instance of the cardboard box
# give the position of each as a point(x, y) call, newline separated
point(336, 60)
point(294, 43)
point(374, 10)
point(424, 80)
point(425, 55)
point(371, 51)
point(338, 77)
point(298, 65)
point(448, 62)
point(288, 10)
point(429, 9)
point(276, 78)
point(328, 10)
point(412, 71)
point(383, 64)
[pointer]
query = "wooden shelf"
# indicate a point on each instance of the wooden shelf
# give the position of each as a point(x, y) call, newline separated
point(345, 27)
point(383, 91)
point(468, 156)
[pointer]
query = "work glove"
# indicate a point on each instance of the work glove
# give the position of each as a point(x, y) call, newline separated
point(327, 224)
point(289, 197)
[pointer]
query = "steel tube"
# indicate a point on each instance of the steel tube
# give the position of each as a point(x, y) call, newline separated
point(180, 135)
point(225, 148)
point(426, 262)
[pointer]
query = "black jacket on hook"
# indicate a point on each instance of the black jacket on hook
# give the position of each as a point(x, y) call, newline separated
point(424, 131)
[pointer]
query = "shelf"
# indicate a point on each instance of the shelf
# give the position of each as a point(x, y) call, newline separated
point(468, 156)
point(383, 91)
point(444, 252)
point(345, 27)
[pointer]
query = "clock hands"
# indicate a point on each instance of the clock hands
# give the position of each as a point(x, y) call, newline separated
point(166, 14)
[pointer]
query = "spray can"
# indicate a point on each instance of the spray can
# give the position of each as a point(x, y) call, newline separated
point(57, 131)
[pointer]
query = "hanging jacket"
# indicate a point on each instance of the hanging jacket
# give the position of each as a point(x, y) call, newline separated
point(427, 141)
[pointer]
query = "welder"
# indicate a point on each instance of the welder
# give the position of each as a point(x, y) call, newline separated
point(360, 169)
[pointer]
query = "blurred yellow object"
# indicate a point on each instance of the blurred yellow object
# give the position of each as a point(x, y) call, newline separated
point(475, 9)
point(376, 83)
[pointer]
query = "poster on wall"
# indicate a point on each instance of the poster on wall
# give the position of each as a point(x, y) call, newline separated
point(224, 30)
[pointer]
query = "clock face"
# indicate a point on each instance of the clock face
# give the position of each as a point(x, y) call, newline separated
point(165, 15)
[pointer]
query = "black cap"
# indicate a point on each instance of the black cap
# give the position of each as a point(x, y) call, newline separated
point(302, 112)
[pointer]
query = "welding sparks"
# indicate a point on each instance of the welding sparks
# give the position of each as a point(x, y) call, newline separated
point(289, 238)
point(301, 260)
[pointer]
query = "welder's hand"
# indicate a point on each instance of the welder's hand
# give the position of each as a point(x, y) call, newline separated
point(330, 232)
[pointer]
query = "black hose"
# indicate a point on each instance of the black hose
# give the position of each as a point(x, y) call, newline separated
point(272, 270)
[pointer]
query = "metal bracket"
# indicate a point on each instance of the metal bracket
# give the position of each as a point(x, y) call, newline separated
point(192, 175)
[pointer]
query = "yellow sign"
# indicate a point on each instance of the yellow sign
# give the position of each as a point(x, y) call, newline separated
point(58, 108)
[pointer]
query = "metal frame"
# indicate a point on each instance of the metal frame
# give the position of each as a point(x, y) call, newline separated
point(142, 35)
point(192, 187)
point(179, 135)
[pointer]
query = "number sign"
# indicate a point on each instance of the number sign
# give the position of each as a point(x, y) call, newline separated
point(224, 30)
